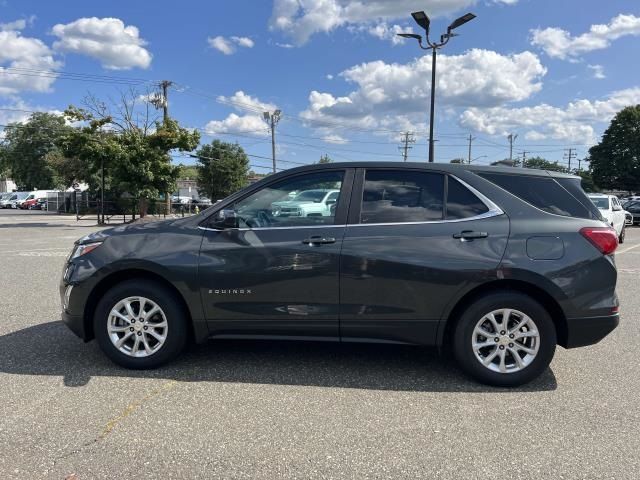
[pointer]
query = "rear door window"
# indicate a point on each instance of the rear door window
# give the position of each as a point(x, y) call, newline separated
point(566, 199)
point(402, 196)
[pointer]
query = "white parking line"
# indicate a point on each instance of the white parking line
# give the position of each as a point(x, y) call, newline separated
point(627, 249)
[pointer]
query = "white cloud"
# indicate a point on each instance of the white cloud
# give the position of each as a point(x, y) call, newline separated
point(329, 77)
point(246, 124)
point(243, 41)
point(302, 19)
point(18, 53)
point(574, 123)
point(559, 43)
point(228, 46)
point(116, 46)
point(251, 123)
point(398, 94)
point(15, 25)
point(335, 139)
point(390, 33)
point(241, 102)
point(598, 71)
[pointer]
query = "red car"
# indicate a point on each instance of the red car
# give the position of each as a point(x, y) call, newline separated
point(29, 203)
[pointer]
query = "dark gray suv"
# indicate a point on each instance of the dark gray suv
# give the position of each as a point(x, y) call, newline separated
point(497, 264)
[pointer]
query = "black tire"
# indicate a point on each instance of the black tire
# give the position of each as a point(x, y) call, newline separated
point(622, 234)
point(463, 335)
point(177, 332)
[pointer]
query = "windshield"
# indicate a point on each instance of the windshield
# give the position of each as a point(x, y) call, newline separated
point(600, 202)
point(310, 196)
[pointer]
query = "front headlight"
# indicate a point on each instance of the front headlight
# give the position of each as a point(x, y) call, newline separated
point(80, 250)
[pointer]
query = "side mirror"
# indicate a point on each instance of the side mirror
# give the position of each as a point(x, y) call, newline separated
point(226, 218)
point(617, 208)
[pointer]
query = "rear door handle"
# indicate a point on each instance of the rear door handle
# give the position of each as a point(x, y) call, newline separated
point(470, 235)
point(318, 240)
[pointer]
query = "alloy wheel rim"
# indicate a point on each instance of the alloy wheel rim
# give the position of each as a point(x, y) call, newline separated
point(137, 326)
point(505, 341)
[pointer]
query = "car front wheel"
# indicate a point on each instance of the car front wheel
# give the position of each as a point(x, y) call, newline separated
point(140, 324)
point(622, 234)
point(504, 339)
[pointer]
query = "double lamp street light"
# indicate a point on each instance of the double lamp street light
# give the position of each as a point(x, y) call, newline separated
point(422, 19)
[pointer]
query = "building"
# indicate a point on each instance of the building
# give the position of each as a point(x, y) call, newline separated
point(7, 185)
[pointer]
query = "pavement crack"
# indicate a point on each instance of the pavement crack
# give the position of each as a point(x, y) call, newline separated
point(114, 422)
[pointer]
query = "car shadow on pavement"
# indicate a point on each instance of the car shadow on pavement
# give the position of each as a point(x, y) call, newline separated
point(51, 349)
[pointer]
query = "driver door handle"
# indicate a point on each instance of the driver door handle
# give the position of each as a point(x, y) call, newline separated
point(318, 240)
point(470, 235)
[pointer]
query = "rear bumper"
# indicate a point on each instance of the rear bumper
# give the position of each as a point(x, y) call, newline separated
point(587, 331)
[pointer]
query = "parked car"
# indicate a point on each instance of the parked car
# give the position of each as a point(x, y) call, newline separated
point(9, 200)
point(5, 199)
point(308, 203)
point(612, 212)
point(21, 197)
point(633, 210)
point(498, 264)
point(40, 204)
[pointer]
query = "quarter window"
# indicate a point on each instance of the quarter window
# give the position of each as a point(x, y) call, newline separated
point(304, 200)
point(461, 202)
point(546, 194)
point(394, 196)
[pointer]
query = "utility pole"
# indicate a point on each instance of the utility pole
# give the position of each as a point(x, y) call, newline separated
point(272, 119)
point(471, 139)
point(512, 138)
point(579, 165)
point(571, 154)
point(406, 139)
point(158, 101)
point(524, 158)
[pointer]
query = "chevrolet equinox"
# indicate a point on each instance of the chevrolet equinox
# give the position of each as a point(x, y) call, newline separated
point(498, 264)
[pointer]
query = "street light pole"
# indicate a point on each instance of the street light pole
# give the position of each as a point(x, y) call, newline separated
point(423, 20)
point(433, 102)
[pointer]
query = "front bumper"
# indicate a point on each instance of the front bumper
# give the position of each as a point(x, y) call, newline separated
point(590, 330)
point(75, 324)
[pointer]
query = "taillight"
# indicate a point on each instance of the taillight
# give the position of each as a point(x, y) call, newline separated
point(603, 238)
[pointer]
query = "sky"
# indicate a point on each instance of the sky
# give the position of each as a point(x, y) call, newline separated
point(551, 72)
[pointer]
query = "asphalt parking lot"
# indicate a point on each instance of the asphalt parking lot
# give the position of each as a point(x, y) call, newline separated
point(273, 410)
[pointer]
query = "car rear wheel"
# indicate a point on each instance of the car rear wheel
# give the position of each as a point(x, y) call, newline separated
point(140, 324)
point(504, 339)
point(622, 234)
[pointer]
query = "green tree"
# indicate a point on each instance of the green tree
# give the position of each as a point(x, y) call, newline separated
point(27, 147)
point(588, 185)
point(615, 161)
point(223, 169)
point(543, 164)
point(188, 172)
point(325, 159)
point(134, 151)
point(458, 160)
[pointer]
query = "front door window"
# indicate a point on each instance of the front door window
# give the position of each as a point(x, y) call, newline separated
point(304, 200)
